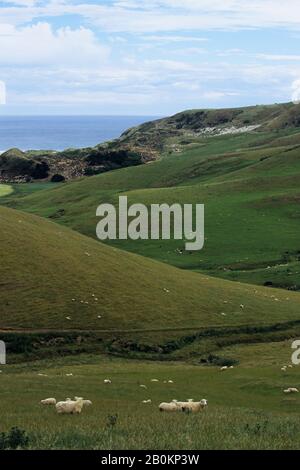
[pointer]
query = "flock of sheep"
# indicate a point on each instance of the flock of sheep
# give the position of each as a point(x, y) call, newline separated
point(75, 406)
point(189, 406)
point(68, 406)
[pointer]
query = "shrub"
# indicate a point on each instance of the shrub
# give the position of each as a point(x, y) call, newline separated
point(14, 439)
point(58, 178)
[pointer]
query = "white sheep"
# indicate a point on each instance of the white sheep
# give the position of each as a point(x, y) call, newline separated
point(107, 381)
point(87, 402)
point(170, 382)
point(284, 368)
point(154, 380)
point(179, 404)
point(223, 368)
point(194, 407)
point(48, 401)
point(147, 401)
point(69, 407)
point(169, 407)
point(143, 386)
point(291, 390)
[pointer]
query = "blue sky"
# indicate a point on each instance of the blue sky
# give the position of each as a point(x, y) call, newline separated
point(146, 57)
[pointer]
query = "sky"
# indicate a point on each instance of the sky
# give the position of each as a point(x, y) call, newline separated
point(146, 57)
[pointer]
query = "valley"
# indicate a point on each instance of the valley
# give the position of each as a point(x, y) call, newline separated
point(134, 309)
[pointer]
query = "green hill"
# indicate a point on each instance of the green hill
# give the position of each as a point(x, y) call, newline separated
point(160, 134)
point(45, 266)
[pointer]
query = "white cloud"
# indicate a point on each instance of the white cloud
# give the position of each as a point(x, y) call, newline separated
point(279, 57)
point(150, 16)
point(85, 97)
point(2, 92)
point(39, 44)
point(177, 15)
point(171, 38)
point(296, 91)
point(23, 3)
point(216, 95)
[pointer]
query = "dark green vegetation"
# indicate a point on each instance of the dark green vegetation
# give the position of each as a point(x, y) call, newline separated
point(177, 306)
point(15, 164)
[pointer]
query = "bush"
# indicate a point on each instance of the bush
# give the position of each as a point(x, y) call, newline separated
point(221, 361)
point(58, 178)
point(16, 438)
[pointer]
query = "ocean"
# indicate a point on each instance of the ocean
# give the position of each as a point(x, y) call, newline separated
point(61, 132)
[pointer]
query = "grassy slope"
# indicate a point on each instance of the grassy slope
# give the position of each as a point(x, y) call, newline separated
point(45, 266)
point(249, 184)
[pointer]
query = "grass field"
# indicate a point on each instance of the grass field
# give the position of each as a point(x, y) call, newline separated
point(247, 407)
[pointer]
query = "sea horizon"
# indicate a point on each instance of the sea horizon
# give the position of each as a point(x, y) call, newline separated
point(59, 132)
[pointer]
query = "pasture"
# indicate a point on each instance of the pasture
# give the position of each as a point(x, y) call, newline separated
point(247, 408)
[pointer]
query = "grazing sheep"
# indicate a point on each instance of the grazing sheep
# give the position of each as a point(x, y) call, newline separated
point(170, 382)
point(69, 407)
point(290, 366)
point(169, 407)
point(284, 368)
point(143, 386)
point(194, 407)
point(69, 375)
point(147, 401)
point(107, 381)
point(291, 390)
point(154, 380)
point(87, 402)
point(179, 404)
point(223, 368)
point(242, 306)
point(48, 401)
